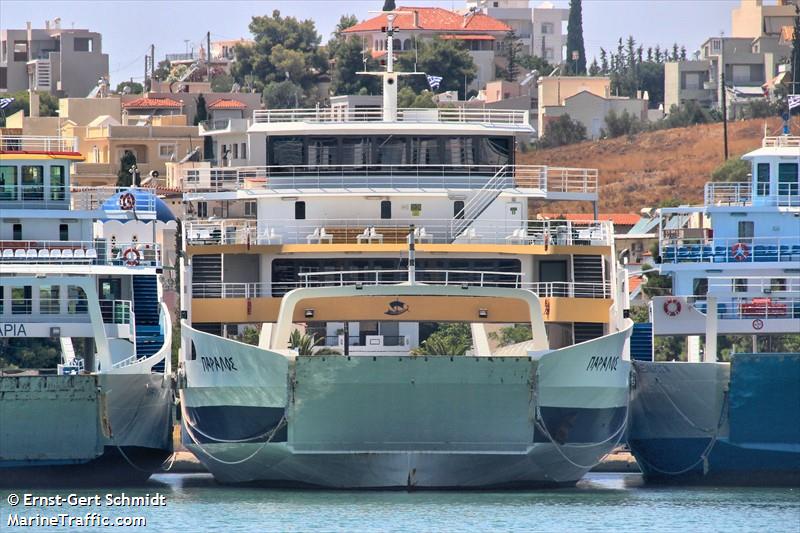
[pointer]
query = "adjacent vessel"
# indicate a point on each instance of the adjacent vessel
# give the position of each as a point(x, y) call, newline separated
point(368, 227)
point(735, 269)
point(80, 291)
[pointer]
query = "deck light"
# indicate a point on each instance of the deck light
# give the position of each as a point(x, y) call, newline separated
point(309, 313)
point(483, 313)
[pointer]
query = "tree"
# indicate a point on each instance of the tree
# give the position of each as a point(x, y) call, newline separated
point(594, 68)
point(531, 62)
point(448, 339)
point(285, 50)
point(446, 58)
point(389, 5)
point(124, 176)
point(338, 38)
point(48, 104)
point(622, 124)
point(575, 39)
point(512, 49)
point(202, 112)
point(303, 343)
point(512, 334)
point(222, 82)
point(283, 95)
point(732, 170)
point(655, 284)
point(250, 336)
point(133, 87)
point(795, 65)
point(349, 58)
point(562, 131)
point(162, 70)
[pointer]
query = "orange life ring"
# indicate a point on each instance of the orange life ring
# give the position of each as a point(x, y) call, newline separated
point(127, 201)
point(672, 307)
point(740, 251)
point(131, 257)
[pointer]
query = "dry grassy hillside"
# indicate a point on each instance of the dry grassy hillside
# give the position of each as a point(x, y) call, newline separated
point(650, 167)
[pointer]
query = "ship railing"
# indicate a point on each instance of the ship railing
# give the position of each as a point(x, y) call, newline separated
point(67, 310)
point(789, 141)
point(741, 194)
point(750, 308)
point(730, 250)
point(502, 117)
point(38, 143)
point(92, 198)
point(395, 231)
point(549, 289)
point(96, 252)
point(753, 285)
point(389, 176)
point(367, 341)
point(35, 197)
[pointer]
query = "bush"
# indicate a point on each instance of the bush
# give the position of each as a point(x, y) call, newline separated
point(561, 132)
point(732, 170)
point(760, 108)
point(622, 124)
point(687, 114)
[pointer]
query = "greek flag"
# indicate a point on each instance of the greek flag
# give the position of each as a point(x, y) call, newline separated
point(793, 100)
point(5, 102)
point(434, 81)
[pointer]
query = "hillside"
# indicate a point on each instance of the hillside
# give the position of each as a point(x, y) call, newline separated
point(654, 166)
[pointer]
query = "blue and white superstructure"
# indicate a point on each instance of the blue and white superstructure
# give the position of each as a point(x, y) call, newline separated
point(80, 271)
point(734, 263)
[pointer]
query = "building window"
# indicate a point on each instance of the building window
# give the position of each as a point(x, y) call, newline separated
point(16, 232)
point(458, 209)
point(32, 182)
point(236, 150)
point(300, 210)
point(3, 77)
point(57, 183)
point(83, 44)
point(548, 53)
point(692, 81)
point(762, 179)
point(63, 232)
point(243, 151)
point(166, 151)
point(8, 182)
point(386, 209)
point(746, 230)
point(20, 50)
point(787, 179)
point(250, 209)
point(202, 209)
point(547, 27)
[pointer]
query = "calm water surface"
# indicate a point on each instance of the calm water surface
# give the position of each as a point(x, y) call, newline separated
point(601, 502)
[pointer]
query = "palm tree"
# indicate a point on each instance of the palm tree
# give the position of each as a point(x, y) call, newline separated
point(303, 343)
point(441, 346)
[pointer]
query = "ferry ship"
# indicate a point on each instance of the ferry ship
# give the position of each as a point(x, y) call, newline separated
point(81, 278)
point(735, 268)
point(368, 227)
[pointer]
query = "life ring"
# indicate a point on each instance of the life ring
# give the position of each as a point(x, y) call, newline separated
point(131, 257)
point(127, 201)
point(672, 307)
point(740, 251)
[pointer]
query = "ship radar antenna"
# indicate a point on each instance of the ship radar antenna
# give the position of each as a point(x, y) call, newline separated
point(389, 75)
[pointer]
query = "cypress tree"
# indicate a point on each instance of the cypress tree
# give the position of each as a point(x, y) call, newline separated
point(388, 5)
point(575, 39)
point(796, 52)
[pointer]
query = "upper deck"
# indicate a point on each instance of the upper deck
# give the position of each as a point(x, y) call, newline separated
point(36, 146)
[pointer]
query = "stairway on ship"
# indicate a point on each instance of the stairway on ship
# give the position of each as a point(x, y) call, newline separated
point(642, 342)
point(149, 338)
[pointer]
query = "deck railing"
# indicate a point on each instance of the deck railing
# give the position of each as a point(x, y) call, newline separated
point(68, 310)
point(751, 308)
point(741, 194)
point(380, 176)
point(730, 250)
point(781, 141)
point(96, 252)
point(37, 143)
point(395, 231)
point(505, 117)
point(563, 289)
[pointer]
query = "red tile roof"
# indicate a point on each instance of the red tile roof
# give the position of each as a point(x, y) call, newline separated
point(433, 19)
point(634, 282)
point(226, 103)
point(151, 103)
point(620, 219)
point(463, 37)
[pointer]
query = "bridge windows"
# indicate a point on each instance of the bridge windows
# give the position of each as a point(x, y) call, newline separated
point(16, 232)
point(63, 232)
point(787, 179)
point(762, 179)
point(8, 182)
point(32, 182)
point(21, 300)
point(49, 299)
point(57, 182)
point(386, 209)
point(300, 210)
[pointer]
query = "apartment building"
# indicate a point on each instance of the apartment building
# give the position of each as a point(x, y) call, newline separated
point(481, 34)
point(540, 28)
point(553, 92)
point(63, 62)
point(749, 58)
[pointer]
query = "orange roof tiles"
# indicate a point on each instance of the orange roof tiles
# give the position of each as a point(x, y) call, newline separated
point(463, 37)
point(226, 103)
point(620, 219)
point(634, 282)
point(432, 19)
point(150, 103)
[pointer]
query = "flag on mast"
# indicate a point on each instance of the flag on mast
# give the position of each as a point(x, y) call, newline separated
point(793, 100)
point(5, 102)
point(434, 81)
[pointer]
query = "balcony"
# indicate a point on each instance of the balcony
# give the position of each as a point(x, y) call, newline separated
point(489, 117)
point(741, 194)
point(361, 178)
point(37, 143)
point(730, 250)
point(224, 124)
point(71, 253)
point(395, 231)
point(459, 278)
point(781, 141)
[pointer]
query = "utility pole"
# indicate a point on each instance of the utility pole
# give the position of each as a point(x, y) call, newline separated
point(724, 95)
point(208, 55)
point(152, 64)
point(146, 70)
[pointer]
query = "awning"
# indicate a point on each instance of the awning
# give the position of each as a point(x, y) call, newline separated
point(747, 92)
point(774, 82)
point(469, 37)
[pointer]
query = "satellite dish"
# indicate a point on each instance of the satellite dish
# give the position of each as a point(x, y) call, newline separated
point(154, 174)
point(235, 88)
point(126, 89)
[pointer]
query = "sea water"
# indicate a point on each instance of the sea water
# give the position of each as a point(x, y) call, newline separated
point(601, 502)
